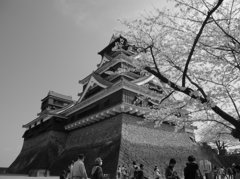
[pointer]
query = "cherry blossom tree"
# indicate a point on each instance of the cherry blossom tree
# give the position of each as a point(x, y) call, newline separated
point(194, 49)
point(218, 136)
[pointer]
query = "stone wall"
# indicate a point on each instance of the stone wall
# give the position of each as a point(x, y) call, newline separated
point(117, 140)
point(59, 138)
point(101, 139)
point(39, 152)
point(54, 150)
point(155, 146)
point(97, 133)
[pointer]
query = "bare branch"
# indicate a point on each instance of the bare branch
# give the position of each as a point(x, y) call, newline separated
point(166, 97)
point(196, 40)
point(230, 15)
point(227, 34)
point(191, 81)
point(192, 7)
point(234, 104)
point(154, 60)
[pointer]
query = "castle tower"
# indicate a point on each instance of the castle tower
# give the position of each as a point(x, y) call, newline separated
point(55, 101)
point(106, 121)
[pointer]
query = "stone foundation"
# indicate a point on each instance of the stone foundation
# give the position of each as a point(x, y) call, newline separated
point(156, 146)
point(118, 140)
point(54, 151)
point(38, 152)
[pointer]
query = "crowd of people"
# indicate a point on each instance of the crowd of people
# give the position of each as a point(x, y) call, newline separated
point(134, 172)
point(190, 171)
point(76, 170)
point(232, 172)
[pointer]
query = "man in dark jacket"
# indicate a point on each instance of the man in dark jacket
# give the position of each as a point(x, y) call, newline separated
point(169, 172)
point(97, 172)
point(140, 173)
point(191, 171)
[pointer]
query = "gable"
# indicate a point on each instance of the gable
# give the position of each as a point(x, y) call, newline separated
point(103, 61)
point(95, 80)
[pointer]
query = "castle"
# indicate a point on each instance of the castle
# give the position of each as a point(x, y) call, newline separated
point(106, 121)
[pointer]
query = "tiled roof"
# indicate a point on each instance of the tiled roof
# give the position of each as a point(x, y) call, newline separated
point(119, 58)
point(58, 95)
point(111, 42)
point(143, 79)
point(123, 84)
point(113, 38)
point(101, 80)
point(46, 115)
point(95, 79)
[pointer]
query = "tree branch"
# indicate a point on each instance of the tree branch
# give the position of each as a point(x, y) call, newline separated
point(196, 40)
point(227, 34)
point(190, 80)
point(234, 104)
point(190, 92)
point(154, 60)
point(166, 97)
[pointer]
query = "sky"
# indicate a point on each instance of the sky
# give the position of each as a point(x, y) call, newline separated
point(51, 45)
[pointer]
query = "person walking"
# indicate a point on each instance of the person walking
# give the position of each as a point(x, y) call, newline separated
point(78, 169)
point(221, 172)
point(97, 172)
point(169, 172)
point(136, 167)
point(215, 172)
point(157, 174)
point(229, 173)
point(132, 170)
point(119, 171)
point(191, 171)
point(140, 173)
point(124, 172)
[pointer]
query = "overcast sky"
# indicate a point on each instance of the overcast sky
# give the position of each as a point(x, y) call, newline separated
point(50, 45)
